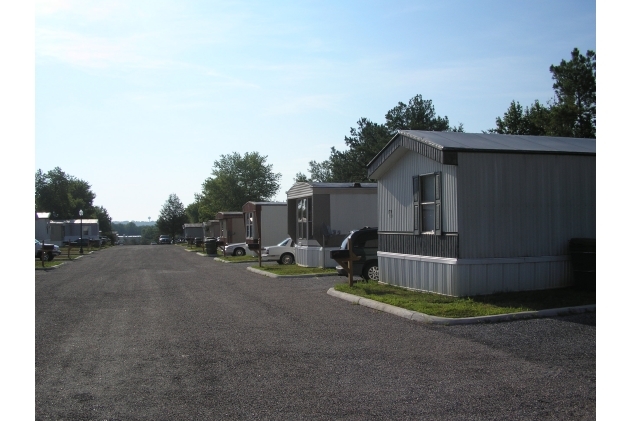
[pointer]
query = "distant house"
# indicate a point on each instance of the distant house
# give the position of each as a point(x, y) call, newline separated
point(266, 222)
point(321, 215)
point(232, 227)
point(71, 230)
point(42, 226)
point(212, 228)
point(195, 230)
point(465, 214)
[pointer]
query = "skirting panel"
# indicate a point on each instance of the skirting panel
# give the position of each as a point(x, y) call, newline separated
point(468, 278)
point(312, 256)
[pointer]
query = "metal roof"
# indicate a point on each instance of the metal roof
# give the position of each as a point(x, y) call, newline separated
point(340, 185)
point(501, 142)
point(444, 147)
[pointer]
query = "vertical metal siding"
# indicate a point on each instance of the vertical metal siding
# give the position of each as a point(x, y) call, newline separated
point(353, 211)
point(395, 193)
point(521, 205)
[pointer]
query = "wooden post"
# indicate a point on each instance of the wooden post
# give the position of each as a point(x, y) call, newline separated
point(350, 262)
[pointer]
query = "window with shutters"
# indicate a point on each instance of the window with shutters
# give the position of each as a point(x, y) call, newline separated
point(426, 191)
point(304, 218)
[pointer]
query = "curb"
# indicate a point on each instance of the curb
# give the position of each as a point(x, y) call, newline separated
point(446, 321)
point(273, 275)
point(199, 253)
point(52, 267)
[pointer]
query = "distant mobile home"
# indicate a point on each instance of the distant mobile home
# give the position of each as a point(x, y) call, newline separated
point(265, 222)
point(70, 230)
point(466, 214)
point(231, 226)
point(195, 230)
point(321, 215)
point(212, 228)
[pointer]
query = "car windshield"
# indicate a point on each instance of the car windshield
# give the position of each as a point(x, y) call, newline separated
point(285, 242)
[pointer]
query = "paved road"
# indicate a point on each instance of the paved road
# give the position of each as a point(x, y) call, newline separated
point(158, 333)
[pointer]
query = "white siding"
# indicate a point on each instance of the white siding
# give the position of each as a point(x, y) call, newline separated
point(395, 193)
point(274, 224)
point(463, 277)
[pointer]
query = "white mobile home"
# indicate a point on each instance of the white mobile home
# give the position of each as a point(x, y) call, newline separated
point(71, 230)
point(465, 214)
point(42, 226)
point(321, 215)
point(265, 223)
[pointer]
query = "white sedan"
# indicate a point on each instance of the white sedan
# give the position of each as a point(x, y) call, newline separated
point(283, 252)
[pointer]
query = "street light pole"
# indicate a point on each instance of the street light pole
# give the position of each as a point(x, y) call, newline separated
point(81, 231)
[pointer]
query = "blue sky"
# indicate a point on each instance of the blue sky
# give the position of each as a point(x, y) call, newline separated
point(158, 90)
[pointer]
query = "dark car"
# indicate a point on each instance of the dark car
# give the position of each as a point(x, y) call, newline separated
point(80, 242)
point(364, 242)
point(164, 239)
point(46, 252)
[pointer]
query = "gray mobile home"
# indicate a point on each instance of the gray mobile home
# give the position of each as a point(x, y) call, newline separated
point(265, 222)
point(231, 226)
point(195, 230)
point(320, 216)
point(466, 214)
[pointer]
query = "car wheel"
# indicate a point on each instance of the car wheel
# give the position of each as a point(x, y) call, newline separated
point(238, 252)
point(44, 257)
point(371, 271)
point(287, 259)
point(50, 257)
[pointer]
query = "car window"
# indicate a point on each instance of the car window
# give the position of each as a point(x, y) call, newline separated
point(285, 242)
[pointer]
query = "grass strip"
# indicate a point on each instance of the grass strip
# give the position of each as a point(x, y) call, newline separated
point(294, 270)
point(238, 259)
point(483, 305)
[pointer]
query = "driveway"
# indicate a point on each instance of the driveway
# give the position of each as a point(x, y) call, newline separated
point(158, 333)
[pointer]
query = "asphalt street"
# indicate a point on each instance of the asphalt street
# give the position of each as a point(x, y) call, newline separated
point(159, 333)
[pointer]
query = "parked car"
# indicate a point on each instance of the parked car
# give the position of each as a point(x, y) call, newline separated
point(164, 239)
point(365, 247)
point(283, 252)
point(85, 242)
point(48, 255)
point(236, 249)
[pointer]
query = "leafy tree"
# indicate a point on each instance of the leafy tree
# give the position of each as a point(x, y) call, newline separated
point(533, 121)
point(63, 195)
point(192, 211)
point(104, 219)
point(575, 90)
point(172, 216)
point(149, 233)
point(571, 113)
point(368, 138)
point(236, 180)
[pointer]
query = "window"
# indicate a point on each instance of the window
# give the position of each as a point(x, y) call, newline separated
point(86, 230)
point(426, 192)
point(249, 225)
point(304, 218)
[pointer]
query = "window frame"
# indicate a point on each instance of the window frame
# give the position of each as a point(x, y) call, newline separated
point(420, 201)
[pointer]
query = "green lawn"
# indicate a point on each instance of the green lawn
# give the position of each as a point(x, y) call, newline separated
point(238, 259)
point(293, 270)
point(444, 306)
